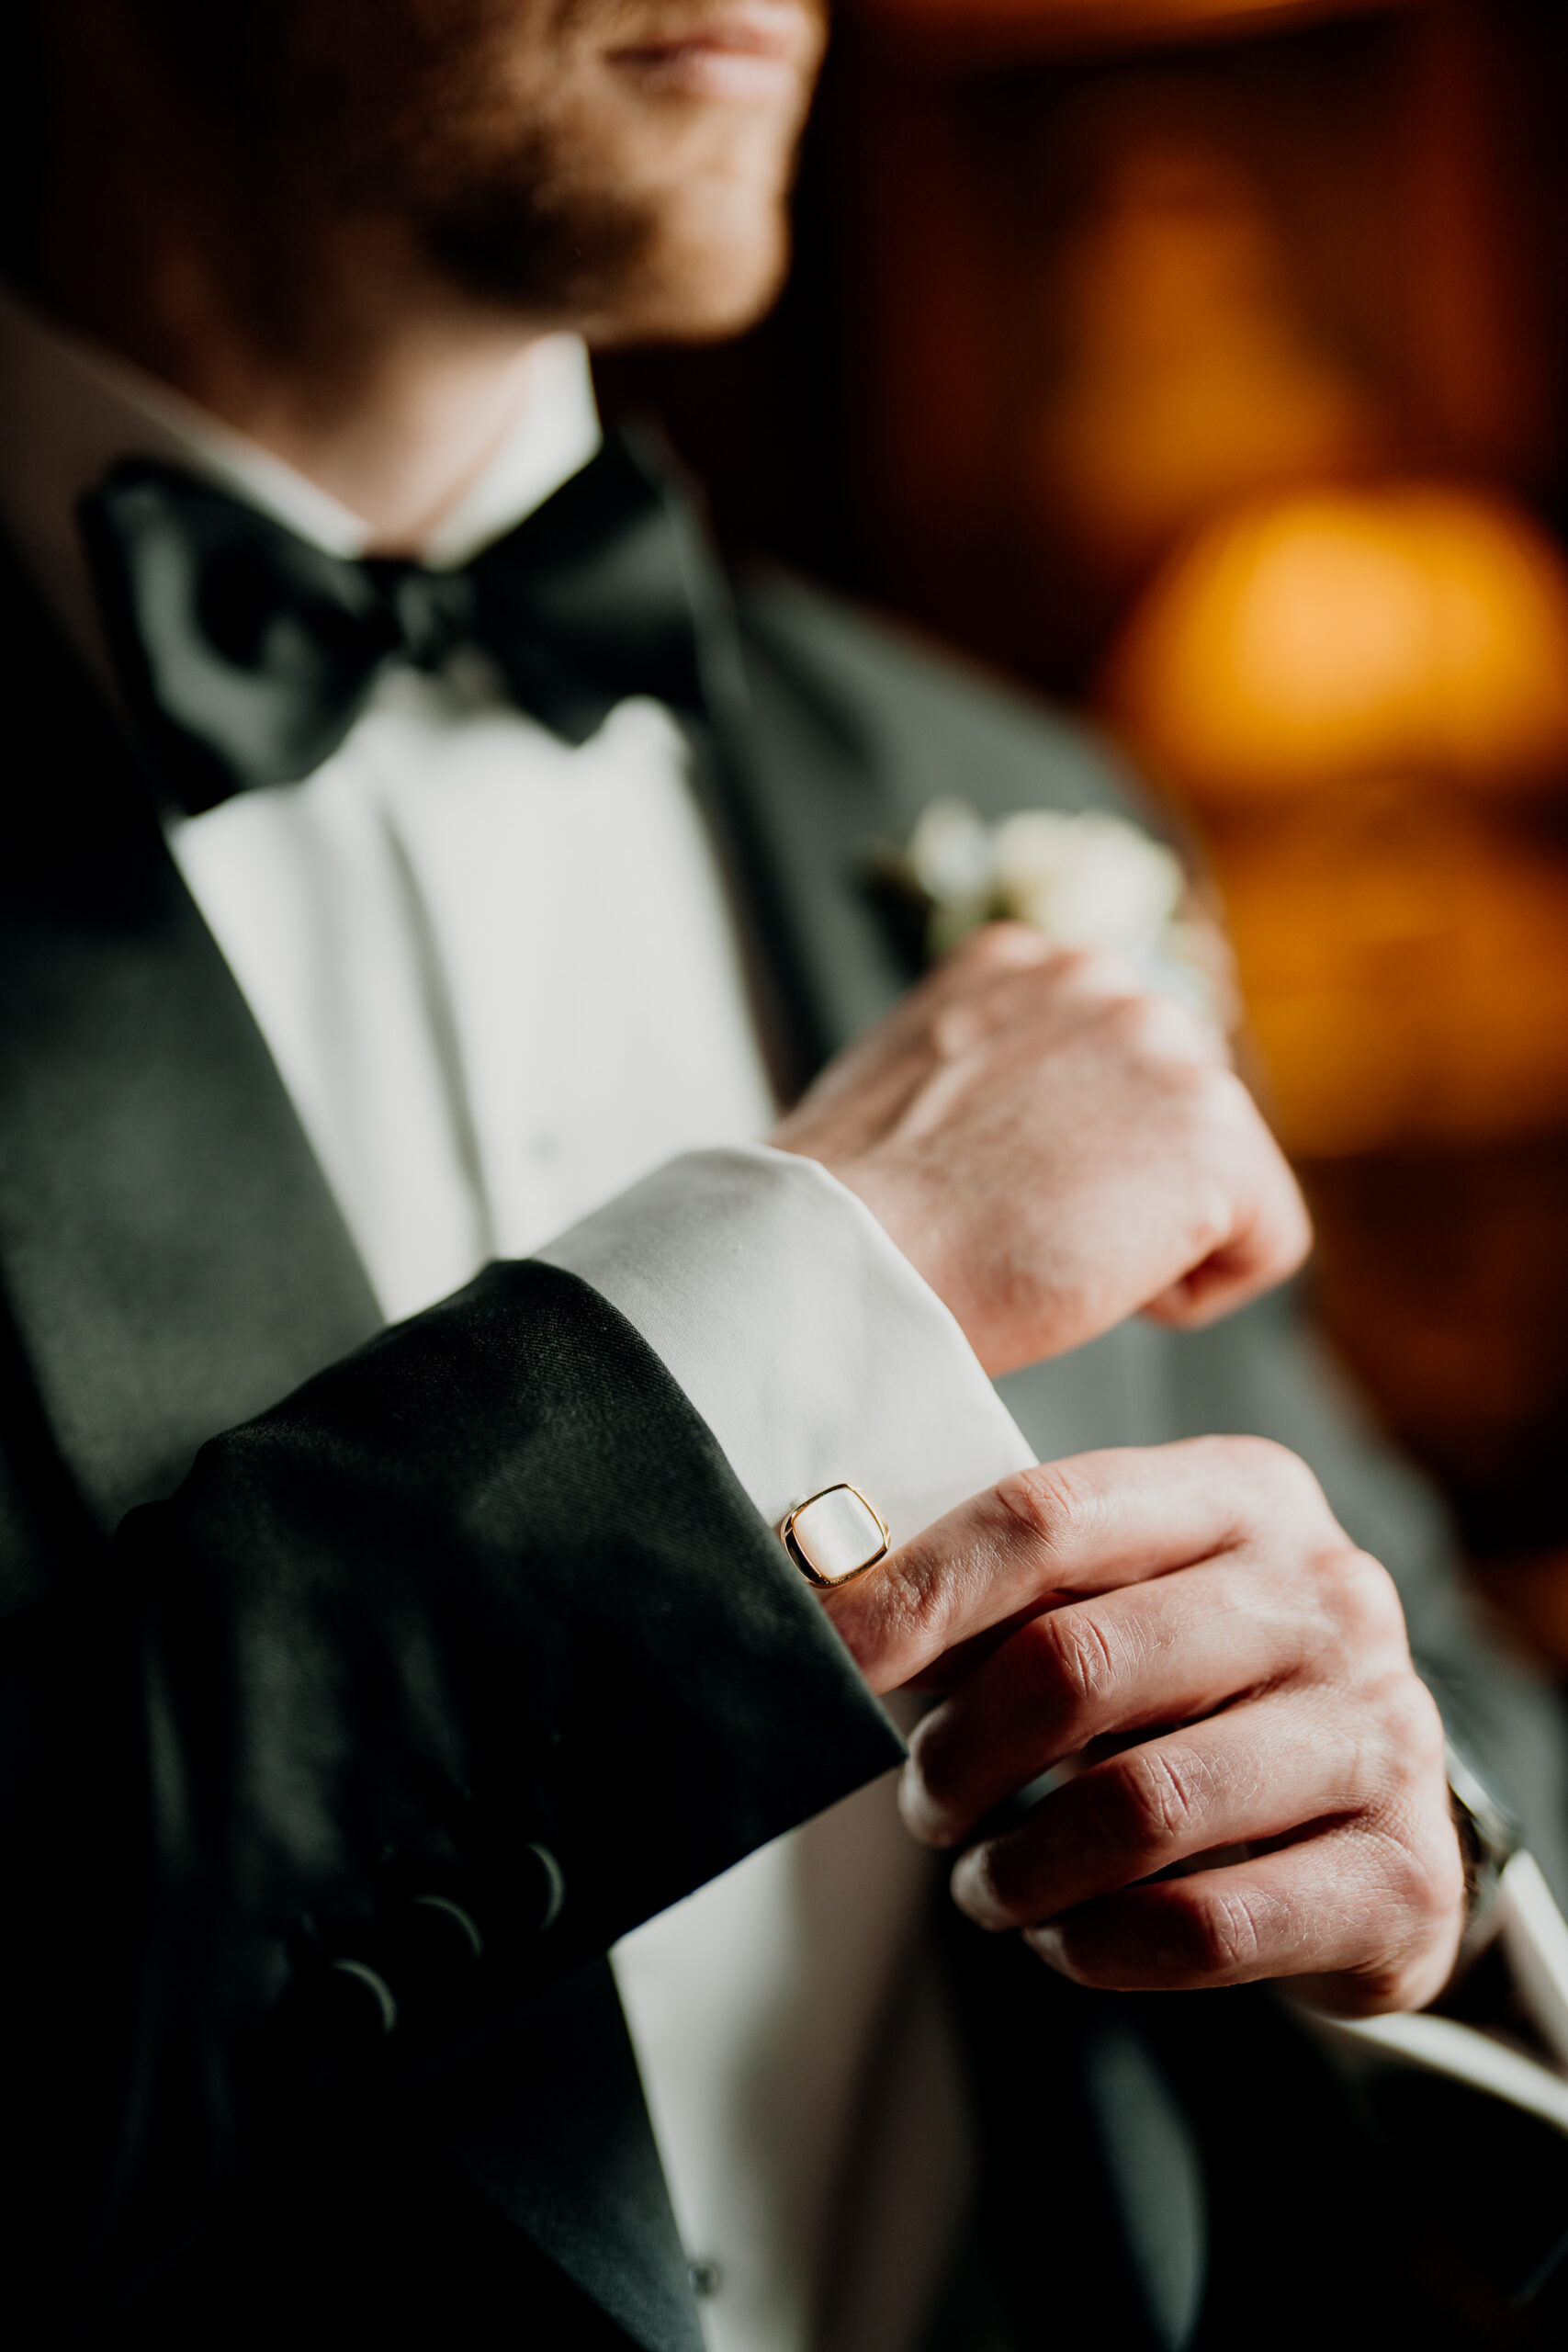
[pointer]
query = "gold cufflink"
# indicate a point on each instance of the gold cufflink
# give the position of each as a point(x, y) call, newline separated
point(835, 1535)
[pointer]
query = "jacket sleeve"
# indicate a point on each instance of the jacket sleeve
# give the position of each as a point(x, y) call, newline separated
point(422, 1690)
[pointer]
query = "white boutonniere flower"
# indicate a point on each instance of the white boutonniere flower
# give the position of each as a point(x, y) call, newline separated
point(1088, 880)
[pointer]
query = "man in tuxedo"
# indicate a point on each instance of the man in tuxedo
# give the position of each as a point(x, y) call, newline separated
point(418, 856)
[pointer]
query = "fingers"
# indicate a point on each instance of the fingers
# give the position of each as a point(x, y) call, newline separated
point(1066, 1529)
point(1207, 1586)
point(990, 947)
point(1361, 1921)
point(1151, 1653)
point(977, 969)
point(1258, 1772)
point(999, 974)
point(1358, 1886)
point(1204, 1585)
point(1011, 980)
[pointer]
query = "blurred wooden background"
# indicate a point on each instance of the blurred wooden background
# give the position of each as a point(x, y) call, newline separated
point(1205, 364)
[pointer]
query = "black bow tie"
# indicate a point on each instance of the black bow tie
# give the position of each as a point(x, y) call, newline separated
point(245, 654)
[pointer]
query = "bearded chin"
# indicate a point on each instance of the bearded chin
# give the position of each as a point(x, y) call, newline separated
point(408, 111)
point(538, 249)
point(625, 269)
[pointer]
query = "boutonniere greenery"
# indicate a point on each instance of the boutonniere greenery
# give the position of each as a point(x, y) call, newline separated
point(1086, 880)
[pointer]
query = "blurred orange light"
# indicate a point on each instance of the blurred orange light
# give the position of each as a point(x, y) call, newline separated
point(1363, 697)
point(1414, 630)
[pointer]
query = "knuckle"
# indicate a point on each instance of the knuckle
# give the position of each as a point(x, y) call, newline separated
point(1165, 1038)
point(1099, 971)
point(1261, 1462)
point(915, 1598)
point(1139, 1026)
point(1280, 1472)
point(1046, 1504)
point(1360, 1599)
point(1218, 1927)
point(1422, 1881)
point(1280, 1493)
point(953, 1029)
point(1437, 1888)
point(1186, 1033)
point(1273, 1489)
point(1414, 1727)
point(1153, 1797)
point(1072, 1662)
point(1411, 1801)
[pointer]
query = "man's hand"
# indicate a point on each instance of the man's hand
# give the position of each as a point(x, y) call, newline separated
point(1198, 1608)
point(1053, 1148)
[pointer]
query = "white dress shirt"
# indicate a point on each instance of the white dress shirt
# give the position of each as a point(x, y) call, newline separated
point(500, 979)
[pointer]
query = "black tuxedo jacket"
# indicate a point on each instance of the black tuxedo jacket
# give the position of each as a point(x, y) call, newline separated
point(472, 1640)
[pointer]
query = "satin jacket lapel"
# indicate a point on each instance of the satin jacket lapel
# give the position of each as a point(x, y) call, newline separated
point(171, 1258)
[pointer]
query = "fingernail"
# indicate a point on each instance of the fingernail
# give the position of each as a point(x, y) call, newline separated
point(971, 1889)
point(921, 1817)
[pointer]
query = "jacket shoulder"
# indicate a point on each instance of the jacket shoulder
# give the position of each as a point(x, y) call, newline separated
point(928, 720)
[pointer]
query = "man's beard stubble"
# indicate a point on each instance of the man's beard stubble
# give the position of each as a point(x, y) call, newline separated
point(410, 110)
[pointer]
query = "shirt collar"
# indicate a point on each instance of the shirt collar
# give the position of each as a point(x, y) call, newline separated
point(69, 409)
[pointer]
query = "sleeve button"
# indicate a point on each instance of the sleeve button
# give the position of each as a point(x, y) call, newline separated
point(545, 1886)
point(445, 1927)
point(362, 2007)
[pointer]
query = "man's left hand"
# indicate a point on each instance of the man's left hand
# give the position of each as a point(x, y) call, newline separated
point(1197, 1609)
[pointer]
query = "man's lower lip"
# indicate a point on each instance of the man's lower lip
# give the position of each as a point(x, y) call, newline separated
point(712, 69)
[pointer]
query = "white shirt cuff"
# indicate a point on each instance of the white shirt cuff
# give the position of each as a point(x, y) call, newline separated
point(806, 1342)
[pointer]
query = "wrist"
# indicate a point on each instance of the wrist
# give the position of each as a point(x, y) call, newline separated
point(909, 1220)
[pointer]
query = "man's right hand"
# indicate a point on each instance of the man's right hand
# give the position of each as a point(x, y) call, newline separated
point(1053, 1148)
point(1196, 1610)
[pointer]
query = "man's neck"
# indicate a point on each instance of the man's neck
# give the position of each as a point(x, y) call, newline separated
point(398, 434)
point(395, 425)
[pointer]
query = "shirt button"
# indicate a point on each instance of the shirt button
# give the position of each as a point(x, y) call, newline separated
point(706, 2277)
